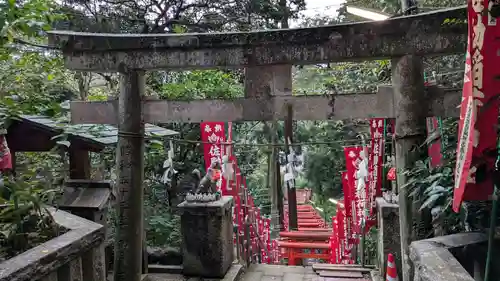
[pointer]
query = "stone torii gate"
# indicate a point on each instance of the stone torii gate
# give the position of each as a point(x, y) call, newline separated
point(267, 97)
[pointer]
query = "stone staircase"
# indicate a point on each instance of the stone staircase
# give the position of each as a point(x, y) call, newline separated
point(317, 272)
point(265, 272)
point(340, 272)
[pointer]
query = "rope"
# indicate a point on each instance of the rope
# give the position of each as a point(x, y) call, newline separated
point(344, 141)
point(130, 134)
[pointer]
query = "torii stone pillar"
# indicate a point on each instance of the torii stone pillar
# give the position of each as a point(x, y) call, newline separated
point(411, 107)
point(264, 82)
point(130, 166)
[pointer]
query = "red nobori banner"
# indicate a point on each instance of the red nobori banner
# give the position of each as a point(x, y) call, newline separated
point(231, 188)
point(335, 252)
point(237, 198)
point(340, 216)
point(347, 222)
point(346, 188)
point(357, 174)
point(375, 162)
point(477, 131)
point(228, 184)
point(213, 135)
point(342, 232)
point(434, 148)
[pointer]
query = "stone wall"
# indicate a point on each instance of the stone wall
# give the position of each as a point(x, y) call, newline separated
point(457, 257)
point(65, 257)
point(388, 236)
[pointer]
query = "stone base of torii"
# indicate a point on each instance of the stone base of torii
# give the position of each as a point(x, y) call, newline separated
point(207, 237)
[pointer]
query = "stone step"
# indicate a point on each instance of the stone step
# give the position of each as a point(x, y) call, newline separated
point(233, 274)
point(343, 279)
point(341, 267)
point(169, 269)
point(265, 272)
point(345, 274)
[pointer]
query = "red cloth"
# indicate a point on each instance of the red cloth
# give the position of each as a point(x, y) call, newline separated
point(215, 174)
point(5, 156)
point(391, 175)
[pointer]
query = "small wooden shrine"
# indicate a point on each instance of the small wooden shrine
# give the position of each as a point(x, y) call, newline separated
point(32, 133)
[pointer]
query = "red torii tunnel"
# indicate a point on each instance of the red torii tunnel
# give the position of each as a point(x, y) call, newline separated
point(293, 244)
point(312, 236)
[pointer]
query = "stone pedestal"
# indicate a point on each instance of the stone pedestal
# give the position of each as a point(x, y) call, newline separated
point(388, 234)
point(207, 237)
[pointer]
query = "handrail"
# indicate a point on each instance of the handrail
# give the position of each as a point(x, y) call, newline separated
point(62, 253)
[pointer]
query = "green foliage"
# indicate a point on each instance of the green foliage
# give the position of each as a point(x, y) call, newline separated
point(320, 202)
point(174, 16)
point(23, 227)
point(371, 246)
point(358, 77)
point(163, 226)
point(433, 188)
point(341, 78)
point(257, 183)
point(201, 84)
point(25, 18)
point(325, 162)
point(33, 83)
point(24, 219)
point(29, 82)
point(441, 3)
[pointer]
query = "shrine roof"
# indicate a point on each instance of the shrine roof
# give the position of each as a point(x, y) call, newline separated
point(100, 134)
point(85, 194)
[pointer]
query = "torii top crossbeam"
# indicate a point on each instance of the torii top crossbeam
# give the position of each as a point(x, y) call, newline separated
point(438, 32)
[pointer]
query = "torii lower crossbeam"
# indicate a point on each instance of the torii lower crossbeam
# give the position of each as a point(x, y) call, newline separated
point(443, 102)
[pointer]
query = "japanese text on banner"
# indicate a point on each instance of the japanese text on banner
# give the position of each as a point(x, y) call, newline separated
point(477, 130)
point(346, 188)
point(213, 135)
point(335, 244)
point(375, 163)
point(357, 173)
